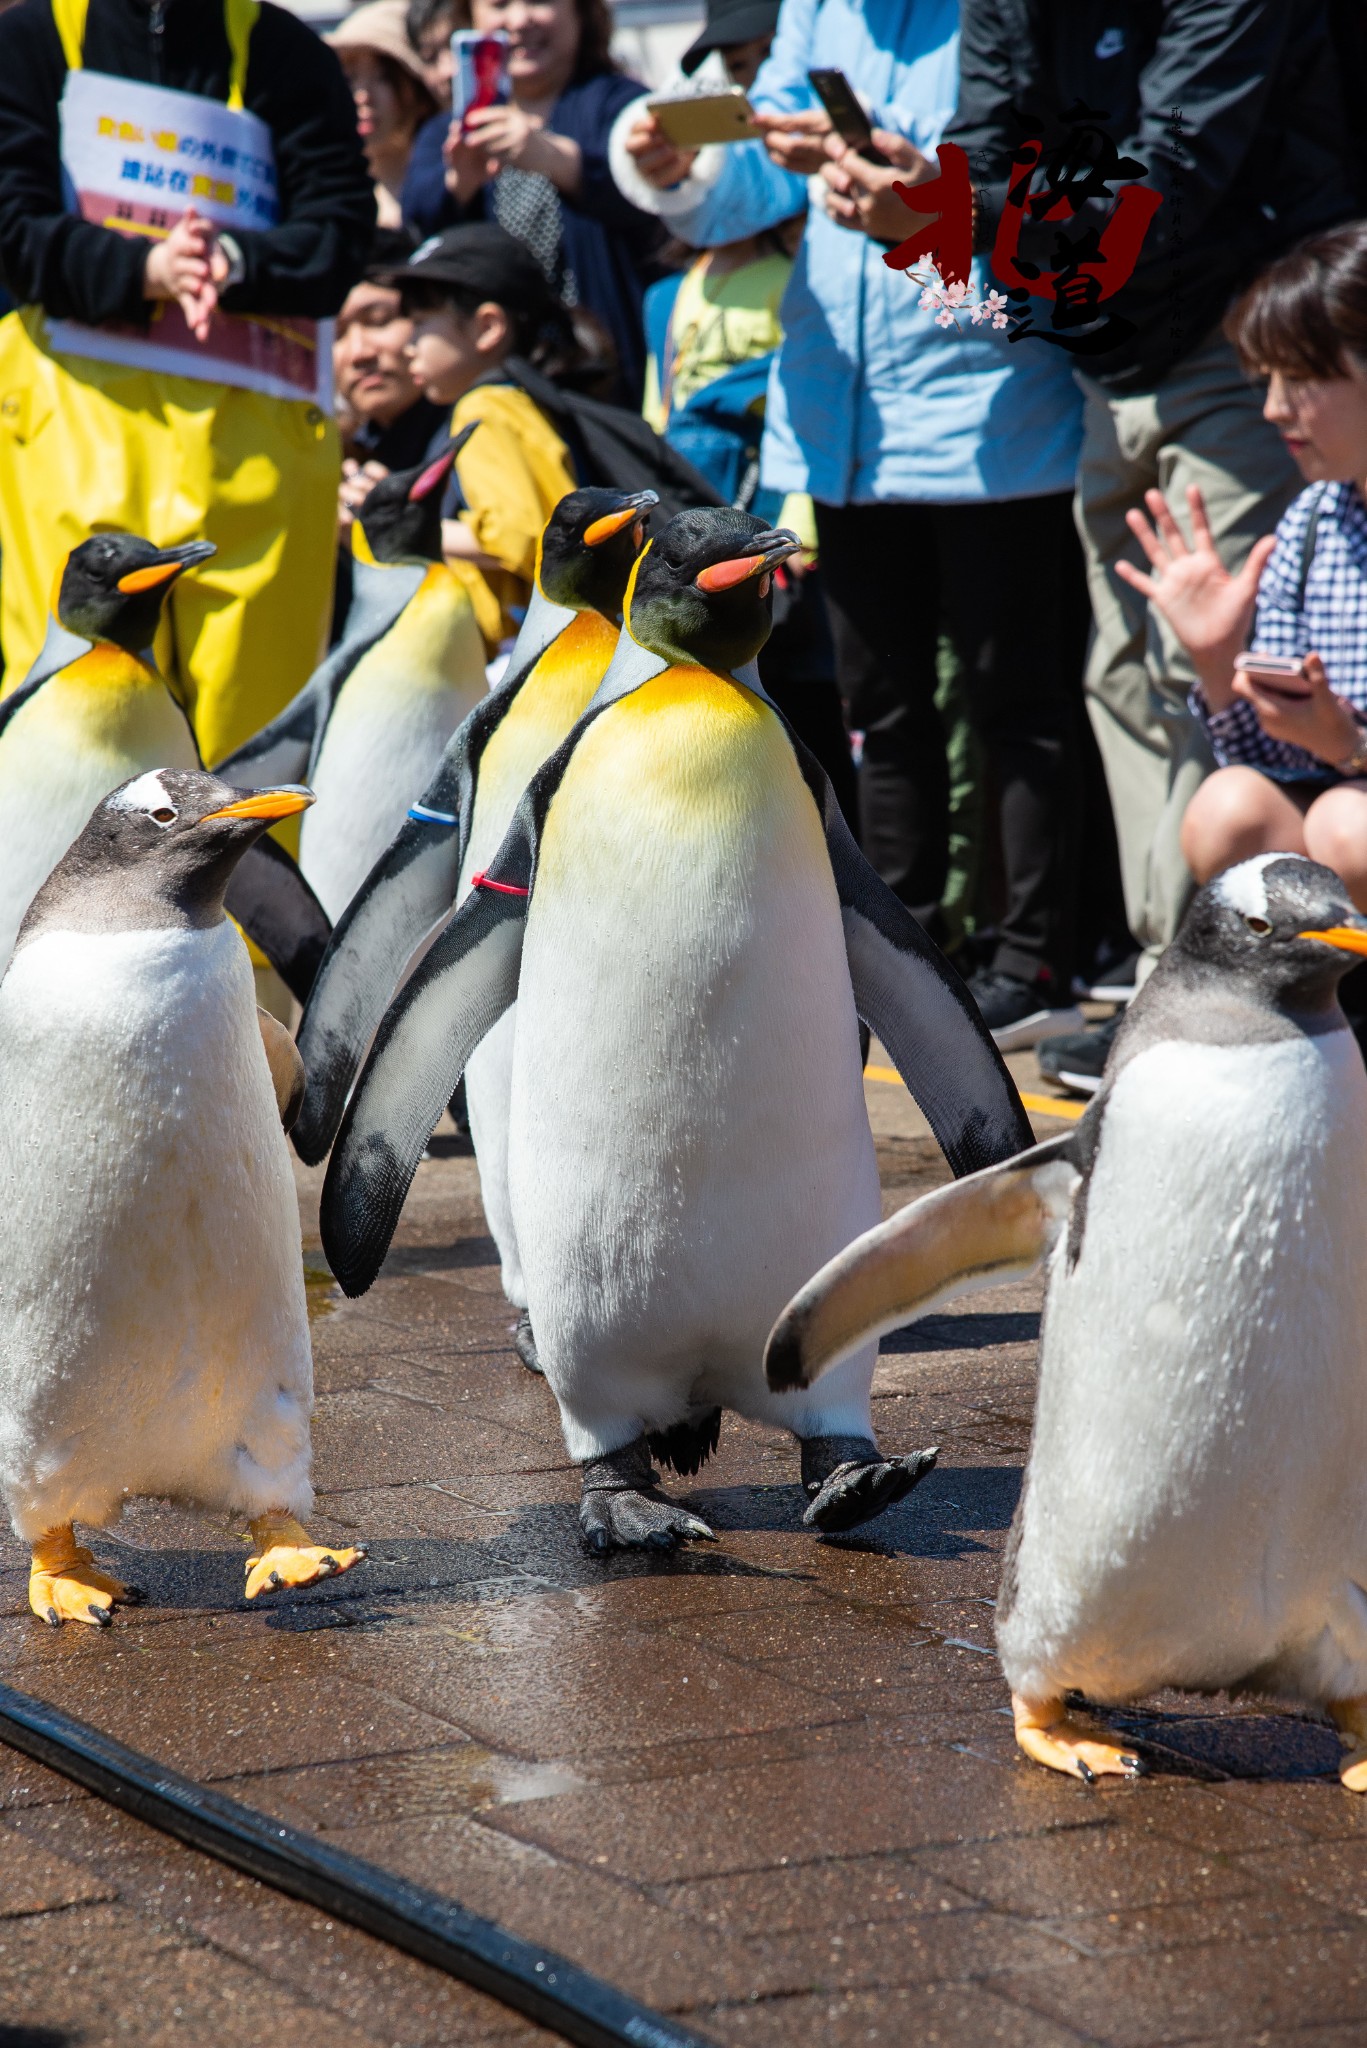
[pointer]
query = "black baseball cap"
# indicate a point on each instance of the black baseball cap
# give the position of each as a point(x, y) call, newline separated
point(479, 257)
point(730, 21)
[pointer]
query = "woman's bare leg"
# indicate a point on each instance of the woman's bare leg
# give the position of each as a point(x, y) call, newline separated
point(1236, 813)
point(1336, 833)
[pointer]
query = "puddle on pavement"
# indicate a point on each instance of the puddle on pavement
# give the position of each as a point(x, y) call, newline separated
point(321, 1292)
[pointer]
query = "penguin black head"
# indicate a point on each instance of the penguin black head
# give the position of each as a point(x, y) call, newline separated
point(113, 587)
point(588, 547)
point(158, 851)
point(400, 521)
point(1282, 926)
point(701, 592)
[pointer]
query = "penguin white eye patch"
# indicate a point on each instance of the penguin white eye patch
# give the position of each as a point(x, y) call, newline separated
point(148, 793)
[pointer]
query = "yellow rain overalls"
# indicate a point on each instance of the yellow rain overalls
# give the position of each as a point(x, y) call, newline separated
point(86, 444)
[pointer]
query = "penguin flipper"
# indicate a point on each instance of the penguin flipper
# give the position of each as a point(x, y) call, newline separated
point(456, 996)
point(409, 890)
point(994, 1225)
point(906, 991)
point(276, 908)
point(282, 750)
point(287, 1069)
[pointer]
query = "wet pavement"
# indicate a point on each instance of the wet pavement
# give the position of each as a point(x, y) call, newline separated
point(769, 1786)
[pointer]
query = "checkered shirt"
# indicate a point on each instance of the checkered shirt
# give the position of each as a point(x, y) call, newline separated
point(1331, 622)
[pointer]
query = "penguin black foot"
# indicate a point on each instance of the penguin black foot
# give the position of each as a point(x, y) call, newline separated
point(65, 1583)
point(623, 1509)
point(849, 1483)
point(524, 1344)
point(686, 1446)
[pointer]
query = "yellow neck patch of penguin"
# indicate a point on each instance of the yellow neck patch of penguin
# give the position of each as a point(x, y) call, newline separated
point(690, 760)
point(554, 696)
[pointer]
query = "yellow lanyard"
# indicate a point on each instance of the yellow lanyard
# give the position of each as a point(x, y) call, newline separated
point(239, 19)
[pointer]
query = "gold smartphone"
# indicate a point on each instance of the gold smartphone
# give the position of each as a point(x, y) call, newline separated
point(694, 119)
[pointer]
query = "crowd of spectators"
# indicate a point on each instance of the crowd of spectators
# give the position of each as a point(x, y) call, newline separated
point(1033, 555)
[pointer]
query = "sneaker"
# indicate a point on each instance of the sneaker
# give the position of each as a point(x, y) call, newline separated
point(1077, 1061)
point(1112, 979)
point(1016, 1013)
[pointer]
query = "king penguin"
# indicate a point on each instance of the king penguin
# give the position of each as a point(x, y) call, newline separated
point(93, 711)
point(368, 728)
point(569, 636)
point(153, 1331)
point(691, 935)
point(1194, 1512)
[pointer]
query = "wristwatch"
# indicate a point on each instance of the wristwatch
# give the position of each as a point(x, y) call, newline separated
point(237, 263)
point(1355, 764)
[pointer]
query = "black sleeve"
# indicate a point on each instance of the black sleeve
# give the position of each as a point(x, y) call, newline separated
point(73, 269)
point(77, 271)
point(307, 264)
point(1218, 61)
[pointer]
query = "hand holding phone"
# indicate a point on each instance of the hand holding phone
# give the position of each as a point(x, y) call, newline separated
point(1281, 675)
point(847, 116)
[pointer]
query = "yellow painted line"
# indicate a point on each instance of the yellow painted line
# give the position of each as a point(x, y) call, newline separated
point(1040, 1105)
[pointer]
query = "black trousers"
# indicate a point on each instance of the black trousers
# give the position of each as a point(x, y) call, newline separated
point(1006, 582)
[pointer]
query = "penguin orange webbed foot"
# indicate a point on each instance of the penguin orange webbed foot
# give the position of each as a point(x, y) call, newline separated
point(65, 1584)
point(1350, 1718)
point(1049, 1735)
point(850, 1483)
point(285, 1555)
point(622, 1509)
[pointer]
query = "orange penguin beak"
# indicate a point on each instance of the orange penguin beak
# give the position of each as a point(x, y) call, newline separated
point(174, 562)
point(265, 803)
point(613, 522)
point(771, 548)
point(1346, 936)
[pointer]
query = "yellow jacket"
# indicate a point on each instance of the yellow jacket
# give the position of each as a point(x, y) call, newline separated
point(513, 473)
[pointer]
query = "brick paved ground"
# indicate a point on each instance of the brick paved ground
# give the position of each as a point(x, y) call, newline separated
point(771, 1786)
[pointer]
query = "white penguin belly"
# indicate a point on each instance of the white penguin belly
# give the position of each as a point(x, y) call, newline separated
point(688, 1139)
point(552, 698)
point(1195, 1507)
point(82, 734)
point(393, 716)
point(153, 1329)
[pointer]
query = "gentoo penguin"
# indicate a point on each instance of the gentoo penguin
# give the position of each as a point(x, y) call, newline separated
point(93, 711)
point(1195, 1507)
point(368, 728)
point(691, 935)
point(569, 636)
point(153, 1331)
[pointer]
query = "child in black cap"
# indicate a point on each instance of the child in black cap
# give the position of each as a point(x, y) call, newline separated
point(476, 296)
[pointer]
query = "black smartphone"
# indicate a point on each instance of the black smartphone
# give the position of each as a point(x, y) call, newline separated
point(848, 118)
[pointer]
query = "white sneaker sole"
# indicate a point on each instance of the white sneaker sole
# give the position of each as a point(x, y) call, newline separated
point(1081, 1084)
point(1039, 1024)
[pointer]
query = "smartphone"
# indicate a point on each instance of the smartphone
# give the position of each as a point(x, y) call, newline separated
point(692, 119)
point(848, 118)
point(479, 70)
point(1282, 674)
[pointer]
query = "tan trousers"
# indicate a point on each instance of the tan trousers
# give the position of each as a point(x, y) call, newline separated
point(1202, 425)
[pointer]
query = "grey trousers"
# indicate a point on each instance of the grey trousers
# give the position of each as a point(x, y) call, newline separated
point(1201, 425)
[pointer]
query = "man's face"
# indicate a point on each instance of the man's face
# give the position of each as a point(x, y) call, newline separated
point(369, 354)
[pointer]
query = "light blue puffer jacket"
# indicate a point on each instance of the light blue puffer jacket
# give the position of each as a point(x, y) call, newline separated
point(869, 399)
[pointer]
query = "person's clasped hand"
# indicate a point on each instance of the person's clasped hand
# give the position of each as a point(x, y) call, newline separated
point(860, 194)
point(358, 481)
point(189, 267)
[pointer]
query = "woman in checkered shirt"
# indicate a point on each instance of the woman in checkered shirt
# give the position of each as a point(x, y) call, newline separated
point(1293, 770)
